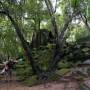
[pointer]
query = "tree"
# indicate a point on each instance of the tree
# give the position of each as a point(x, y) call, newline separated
point(18, 15)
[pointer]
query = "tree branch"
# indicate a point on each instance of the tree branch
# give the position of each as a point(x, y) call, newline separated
point(53, 21)
point(55, 7)
point(61, 34)
point(85, 21)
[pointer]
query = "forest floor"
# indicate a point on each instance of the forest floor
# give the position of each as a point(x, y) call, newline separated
point(65, 83)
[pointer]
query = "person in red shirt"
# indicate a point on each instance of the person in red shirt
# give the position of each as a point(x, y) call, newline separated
point(7, 70)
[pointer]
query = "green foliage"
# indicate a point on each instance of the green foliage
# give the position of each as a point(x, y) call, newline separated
point(80, 78)
point(74, 3)
point(30, 81)
point(43, 55)
point(8, 40)
point(25, 75)
point(23, 71)
point(62, 71)
point(64, 64)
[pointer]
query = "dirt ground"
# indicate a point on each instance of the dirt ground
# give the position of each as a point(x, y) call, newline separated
point(67, 82)
point(61, 85)
point(49, 86)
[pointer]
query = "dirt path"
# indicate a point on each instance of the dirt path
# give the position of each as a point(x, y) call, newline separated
point(63, 85)
point(67, 82)
point(50, 86)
